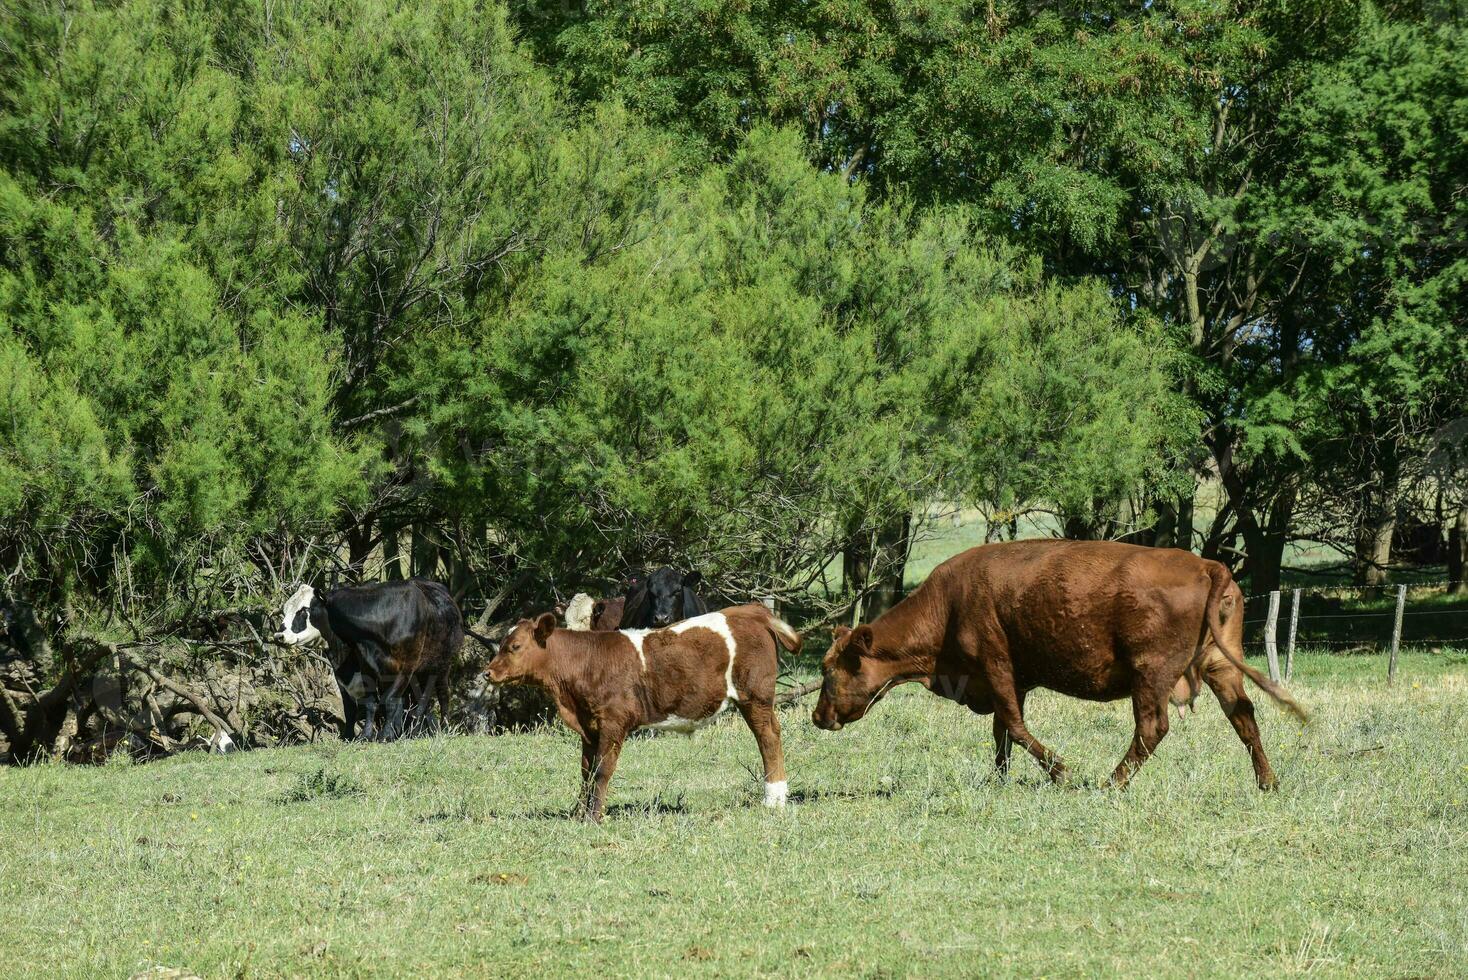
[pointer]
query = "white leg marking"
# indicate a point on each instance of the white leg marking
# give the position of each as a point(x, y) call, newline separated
point(776, 794)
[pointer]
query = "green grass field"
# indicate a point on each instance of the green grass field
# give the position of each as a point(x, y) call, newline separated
point(452, 855)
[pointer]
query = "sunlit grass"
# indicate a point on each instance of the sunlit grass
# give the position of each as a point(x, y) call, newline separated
point(452, 855)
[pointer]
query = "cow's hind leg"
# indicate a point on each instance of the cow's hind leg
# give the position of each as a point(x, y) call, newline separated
point(762, 720)
point(1227, 683)
point(1149, 709)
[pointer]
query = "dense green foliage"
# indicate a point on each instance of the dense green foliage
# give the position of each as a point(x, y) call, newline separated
point(1281, 183)
point(539, 294)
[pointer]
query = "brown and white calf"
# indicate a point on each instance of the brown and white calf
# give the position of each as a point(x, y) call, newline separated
point(680, 678)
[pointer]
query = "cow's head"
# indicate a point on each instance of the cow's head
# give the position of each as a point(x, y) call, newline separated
point(663, 598)
point(297, 617)
point(519, 651)
point(855, 678)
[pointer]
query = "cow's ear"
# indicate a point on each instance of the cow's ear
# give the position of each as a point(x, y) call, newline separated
point(839, 633)
point(861, 639)
point(691, 580)
point(693, 604)
point(597, 609)
point(545, 625)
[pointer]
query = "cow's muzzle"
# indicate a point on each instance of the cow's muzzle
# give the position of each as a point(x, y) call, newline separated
point(825, 720)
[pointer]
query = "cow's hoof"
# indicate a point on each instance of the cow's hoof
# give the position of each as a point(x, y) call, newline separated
point(1270, 785)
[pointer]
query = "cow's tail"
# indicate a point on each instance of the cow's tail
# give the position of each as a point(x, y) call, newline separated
point(782, 631)
point(1216, 614)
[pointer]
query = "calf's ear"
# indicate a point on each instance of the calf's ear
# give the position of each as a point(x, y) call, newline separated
point(545, 625)
point(840, 633)
point(691, 580)
point(861, 638)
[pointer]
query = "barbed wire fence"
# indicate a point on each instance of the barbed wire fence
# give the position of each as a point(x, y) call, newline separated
point(1284, 620)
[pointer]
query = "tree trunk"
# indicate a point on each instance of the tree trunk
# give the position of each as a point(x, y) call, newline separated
point(425, 553)
point(392, 562)
point(1458, 552)
point(1089, 526)
point(1265, 546)
point(860, 559)
point(1164, 533)
point(1266, 558)
point(1184, 531)
point(359, 546)
point(892, 544)
point(1378, 524)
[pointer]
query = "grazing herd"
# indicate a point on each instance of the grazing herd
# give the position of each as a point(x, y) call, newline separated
point(1099, 621)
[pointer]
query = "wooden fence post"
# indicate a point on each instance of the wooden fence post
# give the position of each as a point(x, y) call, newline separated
point(1294, 625)
point(1271, 644)
point(1391, 666)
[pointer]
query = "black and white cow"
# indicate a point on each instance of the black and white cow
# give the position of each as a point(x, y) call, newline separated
point(662, 598)
point(381, 636)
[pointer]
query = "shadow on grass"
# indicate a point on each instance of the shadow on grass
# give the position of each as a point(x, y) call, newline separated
point(657, 806)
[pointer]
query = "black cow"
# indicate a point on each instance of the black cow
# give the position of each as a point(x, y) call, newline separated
point(665, 597)
point(380, 636)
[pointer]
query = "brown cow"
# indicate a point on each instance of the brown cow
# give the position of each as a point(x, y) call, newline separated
point(680, 678)
point(1093, 619)
point(606, 614)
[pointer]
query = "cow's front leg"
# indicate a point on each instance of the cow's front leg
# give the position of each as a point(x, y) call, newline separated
point(1003, 741)
point(423, 707)
point(367, 715)
point(608, 749)
point(350, 708)
point(367, 704)
point(588, 773)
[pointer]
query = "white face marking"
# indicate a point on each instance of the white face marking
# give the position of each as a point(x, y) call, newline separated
point(776, 793)
point(578, 612)
point(303, 598)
